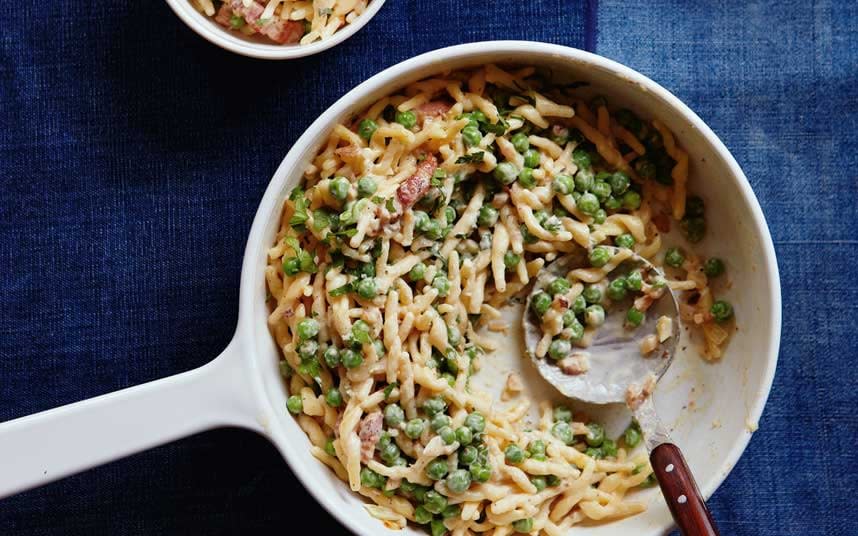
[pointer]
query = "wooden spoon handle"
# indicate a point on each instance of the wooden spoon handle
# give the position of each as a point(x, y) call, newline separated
point(680, 492)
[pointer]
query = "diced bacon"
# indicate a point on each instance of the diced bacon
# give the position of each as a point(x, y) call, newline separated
point(662, 222)
point(283, 31)
point(416, 186)
point(250, 13)
point(577, 363)
point(369, 434)
point(433, 109)
point(223, 15)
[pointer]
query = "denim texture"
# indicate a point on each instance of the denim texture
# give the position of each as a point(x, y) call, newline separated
point(133, 155)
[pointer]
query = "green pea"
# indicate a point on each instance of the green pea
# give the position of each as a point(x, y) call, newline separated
point(634, 317)
point(562, 414)
point(436, 470)
point(366, 186)
point(464, 435)
point(595, 434)
point(592, 294)
point(631, 200)
point(523, 525)
point(513, 454)
point(418, 271)
point(721, 311)
point(588, 203)
point(471, 135)
point(434, 230)
point(593, 452)
point(453, 510)
point(552, 480)
point(333, 397)
point(594, 315)
point(613, 204)
point(563, 431)
point(559, 348)
point(506, 173)
point(437, 528)
point(366, 128)
point(350, 358)
point(520, 142)
point(563, 184)
point(602, 191)
point(600, 216)
point(693, 229)
point(694, 207)
point(308, 349)
point(580, 302)
point(433, 406)
point(447, 435)
point(421, 221)
point(532, 158)
point(454, 335)
point(441, 284)
point(370, 478)
point(366, 288)
point(458, 480)
point(560, 285)
point(414, 428)
point(407, 119)
point(379, 348)
point(625, 240)
point(294, 404)
point(539, 482)
point(422, 516)
point(634, 281)
point(511, 260)
point(584, 180)
point(581, 158)
point(616, 289)
point(439, 420)
point(540, 303)
point(674, 257)
point(329, 448)
point(619, 182)
point(390, 453)
point(339, 188)
point(525, 178)
point(476, 422)
point(449, 214)
point(291, 266)
point(600, 256)
point(609, 448)
point(393, 415)
point(575, 330)
point(479, 116)
point(487, 217)
point(434, 501)
point(360, 332)
point(308, 328)
point(468, 455)
point(480, 473)
point(632, 436)
point(537, 450)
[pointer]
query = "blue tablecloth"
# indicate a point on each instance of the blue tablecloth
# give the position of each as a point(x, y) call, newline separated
point(133, 155)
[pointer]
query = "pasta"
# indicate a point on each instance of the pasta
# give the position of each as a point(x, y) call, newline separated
point(283, 21)
point(415, 223)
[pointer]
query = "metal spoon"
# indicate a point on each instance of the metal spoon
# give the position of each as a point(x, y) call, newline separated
point(616, 364)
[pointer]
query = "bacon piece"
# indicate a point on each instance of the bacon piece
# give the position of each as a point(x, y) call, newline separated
point(577, 363)
point(433, 109)
point(416, 186)
point(223, 15)
point(283, 31)
point(369, 433)
point(250, 13)
point(662, 222)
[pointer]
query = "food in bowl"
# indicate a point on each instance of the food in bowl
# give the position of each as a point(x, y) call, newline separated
point(415, 224)
point(283, 21)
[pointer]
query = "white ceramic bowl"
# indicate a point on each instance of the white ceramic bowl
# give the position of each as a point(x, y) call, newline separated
point(711, 408)
point(257, 47)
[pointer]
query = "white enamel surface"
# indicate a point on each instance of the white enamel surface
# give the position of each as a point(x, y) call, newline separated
point(692, 398)
point(242, 387)
point(257, 47)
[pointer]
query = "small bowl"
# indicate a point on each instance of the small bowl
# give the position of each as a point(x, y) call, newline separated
point(255, 47)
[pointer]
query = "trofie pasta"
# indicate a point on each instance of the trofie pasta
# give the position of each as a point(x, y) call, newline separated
point(283, 21)
point(416, 223)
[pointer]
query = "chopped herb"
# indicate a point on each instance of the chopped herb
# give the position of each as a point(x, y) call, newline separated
point(473, 158)
point(390, 206)
point(236, 22)
point(340, 291)
point(299, 218)
point(305, 259)
point(389, 389)
point(263, 22)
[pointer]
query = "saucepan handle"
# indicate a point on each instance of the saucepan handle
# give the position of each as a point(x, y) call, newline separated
point(680, 492)
point(47, 446)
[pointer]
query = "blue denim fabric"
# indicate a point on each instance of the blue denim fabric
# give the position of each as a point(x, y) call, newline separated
point(133, 155)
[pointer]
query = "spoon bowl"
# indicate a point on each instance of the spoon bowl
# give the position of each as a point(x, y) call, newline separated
point(615, 358)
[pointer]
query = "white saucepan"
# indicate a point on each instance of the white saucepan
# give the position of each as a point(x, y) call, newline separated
point(712, 408)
